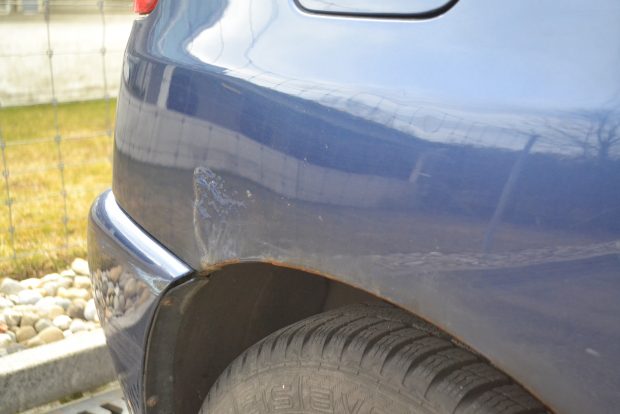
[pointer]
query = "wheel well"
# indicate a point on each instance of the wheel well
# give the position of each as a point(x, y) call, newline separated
point(206, 322)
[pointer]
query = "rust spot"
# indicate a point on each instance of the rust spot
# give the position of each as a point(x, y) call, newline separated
point(152, 401)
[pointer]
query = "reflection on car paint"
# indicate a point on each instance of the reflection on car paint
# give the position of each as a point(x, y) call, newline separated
point(126, 295)
point(476, 185)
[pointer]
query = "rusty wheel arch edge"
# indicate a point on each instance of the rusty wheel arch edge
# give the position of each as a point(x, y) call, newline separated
point(196, 320)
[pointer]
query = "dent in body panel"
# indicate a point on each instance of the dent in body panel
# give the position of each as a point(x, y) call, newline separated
point(213, 221)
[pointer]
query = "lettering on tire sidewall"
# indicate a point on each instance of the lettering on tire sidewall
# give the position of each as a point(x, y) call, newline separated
point(317, 392)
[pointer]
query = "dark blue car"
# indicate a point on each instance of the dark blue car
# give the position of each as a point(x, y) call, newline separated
point(356, 206)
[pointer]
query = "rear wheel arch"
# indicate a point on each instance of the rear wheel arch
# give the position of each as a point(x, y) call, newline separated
point(204, 323)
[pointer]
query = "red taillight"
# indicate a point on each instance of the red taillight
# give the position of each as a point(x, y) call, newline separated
point(144, 6)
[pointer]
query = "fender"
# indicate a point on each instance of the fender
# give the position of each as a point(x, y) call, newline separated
point(465, 168)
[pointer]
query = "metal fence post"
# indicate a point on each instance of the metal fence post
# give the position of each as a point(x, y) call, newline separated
point(106, 94)
point(7, 191)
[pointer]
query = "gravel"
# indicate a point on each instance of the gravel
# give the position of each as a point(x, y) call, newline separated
point(38, 311)
point(5, 340)
point(10, 287)
point(62, 322)
point(28, 297)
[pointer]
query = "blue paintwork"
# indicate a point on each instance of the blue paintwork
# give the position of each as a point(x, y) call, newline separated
point(465, 167)
point(129, 272)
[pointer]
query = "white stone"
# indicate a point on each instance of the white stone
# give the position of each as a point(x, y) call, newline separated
point(10, 286)
point(77, 325)
point(74, 293)
point(65, 282)
point(12, 317)
point(6, 303)
point(12, 335)
point(28, 319)
point(90, 312)
point(54, 311)
point(25, 308)
point(81, 282)
point(44, 304)
point(76, 309)
point(28, 297)
point(42, 324)
point(62, 322)
point(63, 303)
point(50, 334)
point(67, 273)
point(80, 267)
point(31, 283)
point(91, 325)
point(42, 291)
point(36, 341)
point(50, 288)
point(52, 277)
point(25, 333)
point(5, 340)
point(67, 333)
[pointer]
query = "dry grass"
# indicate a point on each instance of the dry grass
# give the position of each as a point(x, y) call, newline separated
point(41, 241)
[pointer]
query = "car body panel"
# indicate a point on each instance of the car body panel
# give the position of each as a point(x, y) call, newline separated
point(464, 167)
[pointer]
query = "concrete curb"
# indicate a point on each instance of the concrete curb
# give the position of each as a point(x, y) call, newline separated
point(49, 372)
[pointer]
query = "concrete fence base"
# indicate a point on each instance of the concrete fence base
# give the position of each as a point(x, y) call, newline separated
point(78, 61)
point(49, 372)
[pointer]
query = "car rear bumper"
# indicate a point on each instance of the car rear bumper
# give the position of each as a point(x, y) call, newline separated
point(130, 273)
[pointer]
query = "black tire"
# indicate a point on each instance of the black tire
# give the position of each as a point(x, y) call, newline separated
point(364, 359)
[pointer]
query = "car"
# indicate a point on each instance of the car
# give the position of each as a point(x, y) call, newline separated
point(365, 207)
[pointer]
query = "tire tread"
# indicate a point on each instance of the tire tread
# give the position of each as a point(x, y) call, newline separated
point(377, 341)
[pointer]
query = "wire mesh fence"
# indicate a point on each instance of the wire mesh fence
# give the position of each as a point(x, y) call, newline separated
point(60, 65)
